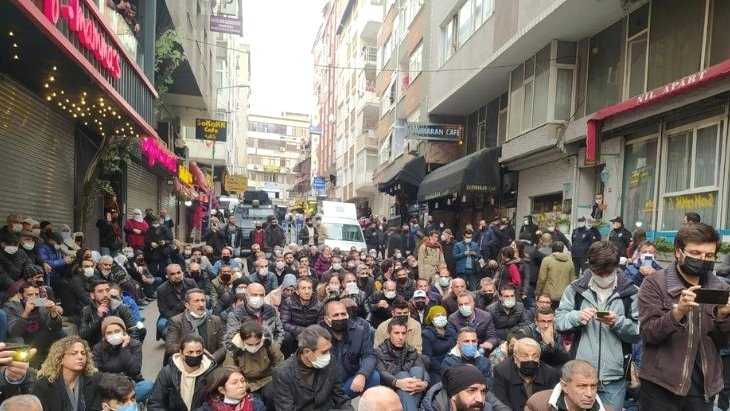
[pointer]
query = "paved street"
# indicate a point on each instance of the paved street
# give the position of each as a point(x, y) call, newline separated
point(152, 350)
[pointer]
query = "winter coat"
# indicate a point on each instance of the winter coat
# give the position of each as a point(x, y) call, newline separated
point(413, 334)
point(170, 302)
point(448, 249)
point(670, 347)
point(273, 236)
point(215, 239)
point(322, 265)
point(304, 235)
point(233, 236)
point(511, 272)
point(292, 393)
point(119, 360)
point(460, 257)
point(481, 321)
point(258, 368)
point(354, 353)
point(620, 238)
point(598, 341)
point(165, 395)
point(633, 271)
point(510, 389)
point(504, 321)
point(135, 241)
point(49, 327)
point(110, 234)
point(72, 294)
point(393, 242)
point(554, 400)
point(582, 237)
point(178, 327)
point(436, 347)
point(406, 290)
point(556, 273)
point(54, 398)
point(295, 317)
point(269, 281)
point(49, 255)
point(377, 314)
point(437, 400)
point(218, 289)
point(454, 357)
point(391, 362)
point(269, 320)
point(11, 267)
point(553, 355)
point(163, 237)
point(429, 260)
point(90, 323)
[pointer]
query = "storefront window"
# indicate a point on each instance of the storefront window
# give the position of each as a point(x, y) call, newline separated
point(639, 176)
point(547, 204)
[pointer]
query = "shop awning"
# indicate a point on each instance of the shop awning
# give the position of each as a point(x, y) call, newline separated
point(477, 172)
point(663, 93)
point(411, 174)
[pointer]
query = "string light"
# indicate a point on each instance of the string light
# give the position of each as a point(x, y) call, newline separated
point(11, 34)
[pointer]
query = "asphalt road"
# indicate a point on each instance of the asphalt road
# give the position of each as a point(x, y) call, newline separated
point(152, 351)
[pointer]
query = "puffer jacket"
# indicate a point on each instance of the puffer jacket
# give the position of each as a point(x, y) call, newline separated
point(670, 347)
point(90, 323)
point(391, 362)
point(556, 273)
point(295, 317)
point(258, 368)
point(429, 260)
point(166, 392)
point(269, 321)
point(503, 321)
point(11, 267)
point(119, 360)
point(595, 336)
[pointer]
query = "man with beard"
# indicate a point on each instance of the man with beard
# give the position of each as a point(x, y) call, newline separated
point(196, 320)
point(101, 307)
point(463, 388)
point(577, 391)
point(405, 286)
point(171, 297)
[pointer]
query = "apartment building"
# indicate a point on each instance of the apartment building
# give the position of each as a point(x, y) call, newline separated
point(274, 146)
point(626, 99)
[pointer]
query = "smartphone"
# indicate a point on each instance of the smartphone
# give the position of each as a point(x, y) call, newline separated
point(602, 313)
point(711, 296)
point(647, 261)
point(22, 352)
point(40, 302)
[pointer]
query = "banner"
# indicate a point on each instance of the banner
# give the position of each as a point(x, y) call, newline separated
point(226, 16)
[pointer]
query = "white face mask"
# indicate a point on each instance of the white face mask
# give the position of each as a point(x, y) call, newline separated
point(17, 227)
point(551, 229)
point(263, 272)
point(253, 349)
point(36, 231)
point(11, 249)
point(29, 245)
point(187, 253)
point(115, 339)
point(604, 282)
point(526, 222)
point(352, 288)
point(196, 315)
point(280, 265)
point(466, 310)
point(444, 281)
point(389, 295)
point(155, 225)
point(57, 246)
point(443, 237)
point(581, 224)
point(88, 272)
point(256, 302)
point(509, 303)
point(129, 255)
point(398, 255)
point(337, 266)
point(440, 321)
point(321, 361)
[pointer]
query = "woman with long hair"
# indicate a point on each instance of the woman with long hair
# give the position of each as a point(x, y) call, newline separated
point(510, 272)
point(330, 288)
point(226, 389)
point(67, 380)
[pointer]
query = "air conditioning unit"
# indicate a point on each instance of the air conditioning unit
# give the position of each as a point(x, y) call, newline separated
point(411, 146)
point(282, 148)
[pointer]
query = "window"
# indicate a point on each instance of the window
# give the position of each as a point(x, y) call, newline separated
point(384, 154)
point(385, 51)
point(414, 63)
point(640, 160)
point(604, 65)
point(637, 33)
point(466, 25)
point(466, 21)
point(449, 37)
point(691, 180)
point(516, 99)
point(547, 203)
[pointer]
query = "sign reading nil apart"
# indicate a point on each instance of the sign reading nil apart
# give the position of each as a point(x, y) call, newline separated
point(436, 132)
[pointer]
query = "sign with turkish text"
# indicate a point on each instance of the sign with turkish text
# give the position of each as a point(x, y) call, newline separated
point(226, 16)
point(435, 132)
point(270, 168)
point(236, 184)
point(319, 183)
point(210, 130)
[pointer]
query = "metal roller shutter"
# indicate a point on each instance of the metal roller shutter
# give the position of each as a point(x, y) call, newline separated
point(142, 188)
point(37, 158)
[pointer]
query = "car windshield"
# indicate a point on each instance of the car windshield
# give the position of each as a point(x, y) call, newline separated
point(344, 232)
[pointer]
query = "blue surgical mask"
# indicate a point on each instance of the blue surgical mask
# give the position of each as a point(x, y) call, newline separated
point(469, 350)
point(127, 407)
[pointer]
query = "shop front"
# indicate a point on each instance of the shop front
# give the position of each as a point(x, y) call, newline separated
point(401, 181)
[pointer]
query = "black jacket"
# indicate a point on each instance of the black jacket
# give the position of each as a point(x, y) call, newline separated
point(354, 353)
point(110, 234)
point(582, 239)
point(53, 394)
point(235, 234)
point(11, 267)
point(163, 237)
point(620, 238)
point(165, 395)
point(273, 236)
point(72, 294)
point(90, 323)
point(391, 362)
point(395, 241)
point(119, 360)
point(503, 322)
point(508, 385)
point(170, 302)
point(377, 314)
point(295, 317)
point(448, 249)
point(292, 393)
point(215, 239)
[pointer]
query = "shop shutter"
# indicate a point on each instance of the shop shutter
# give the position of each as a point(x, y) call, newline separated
point(37, 157)
point(142, 189)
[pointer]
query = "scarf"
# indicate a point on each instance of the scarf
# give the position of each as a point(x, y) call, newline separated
point(195, 322)
point(246, 404)
point(430, 244)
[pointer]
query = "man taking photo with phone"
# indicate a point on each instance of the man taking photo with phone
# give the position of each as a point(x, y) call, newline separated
point(644, 264)
point(683, 328)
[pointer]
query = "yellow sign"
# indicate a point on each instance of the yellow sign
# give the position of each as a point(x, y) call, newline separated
point(236, 184)
point(184, 175)
point(209, 181)
point(691, 201)
point(272, 168)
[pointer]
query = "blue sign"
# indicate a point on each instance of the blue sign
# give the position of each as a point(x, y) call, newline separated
point(319, 183)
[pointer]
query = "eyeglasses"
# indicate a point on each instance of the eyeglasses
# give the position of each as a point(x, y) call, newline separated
point(700, 255)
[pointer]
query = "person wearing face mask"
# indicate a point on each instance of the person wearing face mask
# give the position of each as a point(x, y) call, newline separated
point(221, 284)
point(556, 273)
point(582, 237)
point(351, 289)
point(486, 295)
point(619, 236)
point(117, 353)
point(157, 246)
point(381, 303)
point(419, 306)
point(264, 276)
point(251, 305)
point(29, 243)
point(469, 316)
point(110, 233)
point(33, 275)
point(226, 259)
point(551, 343)
point(507, 312)
point(118, 393)
point(72, 290)
point(352, 350)
point(274, 235)
point(136, 229)
point(466, 351)
point(402, 367)
point(102, 306)
point(227, 389)
point(529, 230)
point(12, 260)
point(171, 297)
point(672, 318)
point(401, 312)
point(14, 224)
point(309, 380)
point(516, 380)
point(405, 286)
point(49, 251)
point(602, 311)
point(281, 269)
point(466, 255)
point(430, 255)
point(644, 264)
point(438, 339)
point(179, 385)
point(196, 320)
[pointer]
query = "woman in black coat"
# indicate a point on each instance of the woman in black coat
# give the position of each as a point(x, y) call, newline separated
point(68, 366)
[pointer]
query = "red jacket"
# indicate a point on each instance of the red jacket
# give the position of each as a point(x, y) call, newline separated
point(135, 241)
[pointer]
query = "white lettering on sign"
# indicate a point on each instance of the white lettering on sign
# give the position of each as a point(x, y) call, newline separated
point(671, 87)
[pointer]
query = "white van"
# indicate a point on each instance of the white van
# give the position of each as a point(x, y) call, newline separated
point(341, 226)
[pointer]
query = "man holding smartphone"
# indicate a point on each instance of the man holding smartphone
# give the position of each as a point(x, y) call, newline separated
point(644, 265)
point(681, 333)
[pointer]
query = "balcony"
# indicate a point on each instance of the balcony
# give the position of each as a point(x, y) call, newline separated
point(363, 184)
point(369, 57)
point(366, 140)
point(369, 19)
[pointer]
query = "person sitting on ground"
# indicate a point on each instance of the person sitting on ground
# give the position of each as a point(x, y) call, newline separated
point(552, 346)
point(438, 339)
point(23, 402)
point(226, 389)
point(171, 297)
point(196, 320)
point(251, 305)
point(298, 312)
point(507, 312)
point(117, 392)
point(481, 321)
point(413, 335)
point(102, 306)
point(462, 389)
point(378, 399)
point(577, 390)
point(466, 351)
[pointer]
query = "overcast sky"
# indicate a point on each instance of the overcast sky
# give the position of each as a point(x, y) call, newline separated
point(280, 34)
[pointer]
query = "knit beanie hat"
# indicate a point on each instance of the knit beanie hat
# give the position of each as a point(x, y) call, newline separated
point(434, 311)
point(460, 377)
point(32, 270)
point(112, 320)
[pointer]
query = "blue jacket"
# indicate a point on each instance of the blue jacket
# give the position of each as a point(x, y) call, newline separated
point(460, 257)
point(435, 347)
point(354, 354)
point(54, 258)
point(269, 281)
point(481, 362)
point(632, 271)
point(130, 301)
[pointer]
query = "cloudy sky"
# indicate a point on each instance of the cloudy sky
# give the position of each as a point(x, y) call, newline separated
point(281, 34)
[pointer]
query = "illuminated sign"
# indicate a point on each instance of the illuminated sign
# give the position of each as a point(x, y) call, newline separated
point(211, 130)
point(157, 154)
point(184, 175)
point(87, 31)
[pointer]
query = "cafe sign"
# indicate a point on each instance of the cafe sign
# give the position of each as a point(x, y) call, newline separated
point(435, 132)
point(210, 130)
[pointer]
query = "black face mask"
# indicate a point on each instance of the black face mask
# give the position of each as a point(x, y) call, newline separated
point(529, 368)
point(226, 277)
point(195, 273)
point(193, 361)
point(258, 227)
point(695, 267)
point(402, 318)
point(226, 258)
point(339, 325)
point(309, 224)
point(402, 280)
point(420, 306)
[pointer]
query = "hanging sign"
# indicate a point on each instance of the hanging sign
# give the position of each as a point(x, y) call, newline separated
point(211, 130)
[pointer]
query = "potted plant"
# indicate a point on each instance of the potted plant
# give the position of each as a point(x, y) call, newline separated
point(563, 223)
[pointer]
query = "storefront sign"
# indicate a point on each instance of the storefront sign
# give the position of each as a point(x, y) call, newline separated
point(209, 181)
point(691, 201)
point(156, 153)
point(480, 187)
point(675, 86)
point(226, 17)
point(211, 130)
point(435, 132)
point(88, 32)
point(184, 175)
point(236, 184)
point(272, 168)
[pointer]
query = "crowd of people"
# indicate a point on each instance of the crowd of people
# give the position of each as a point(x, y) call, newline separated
point(495, 319)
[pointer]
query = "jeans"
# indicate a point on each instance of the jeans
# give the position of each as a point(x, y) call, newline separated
point(3, 325)
point(612, 393)
point(723, 400)
point(161, 328)
point(654, 397)
point(471, 280)
point(373, 380)
point(410, 401)
point(143, 389)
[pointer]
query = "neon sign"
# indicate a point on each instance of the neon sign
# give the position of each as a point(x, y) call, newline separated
point(157, 154)
point(87, 31)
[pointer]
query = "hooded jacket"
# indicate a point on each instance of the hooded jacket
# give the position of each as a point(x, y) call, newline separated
point(166, 394)
point(556, 273)
point(598, 341)
point(258, 367)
